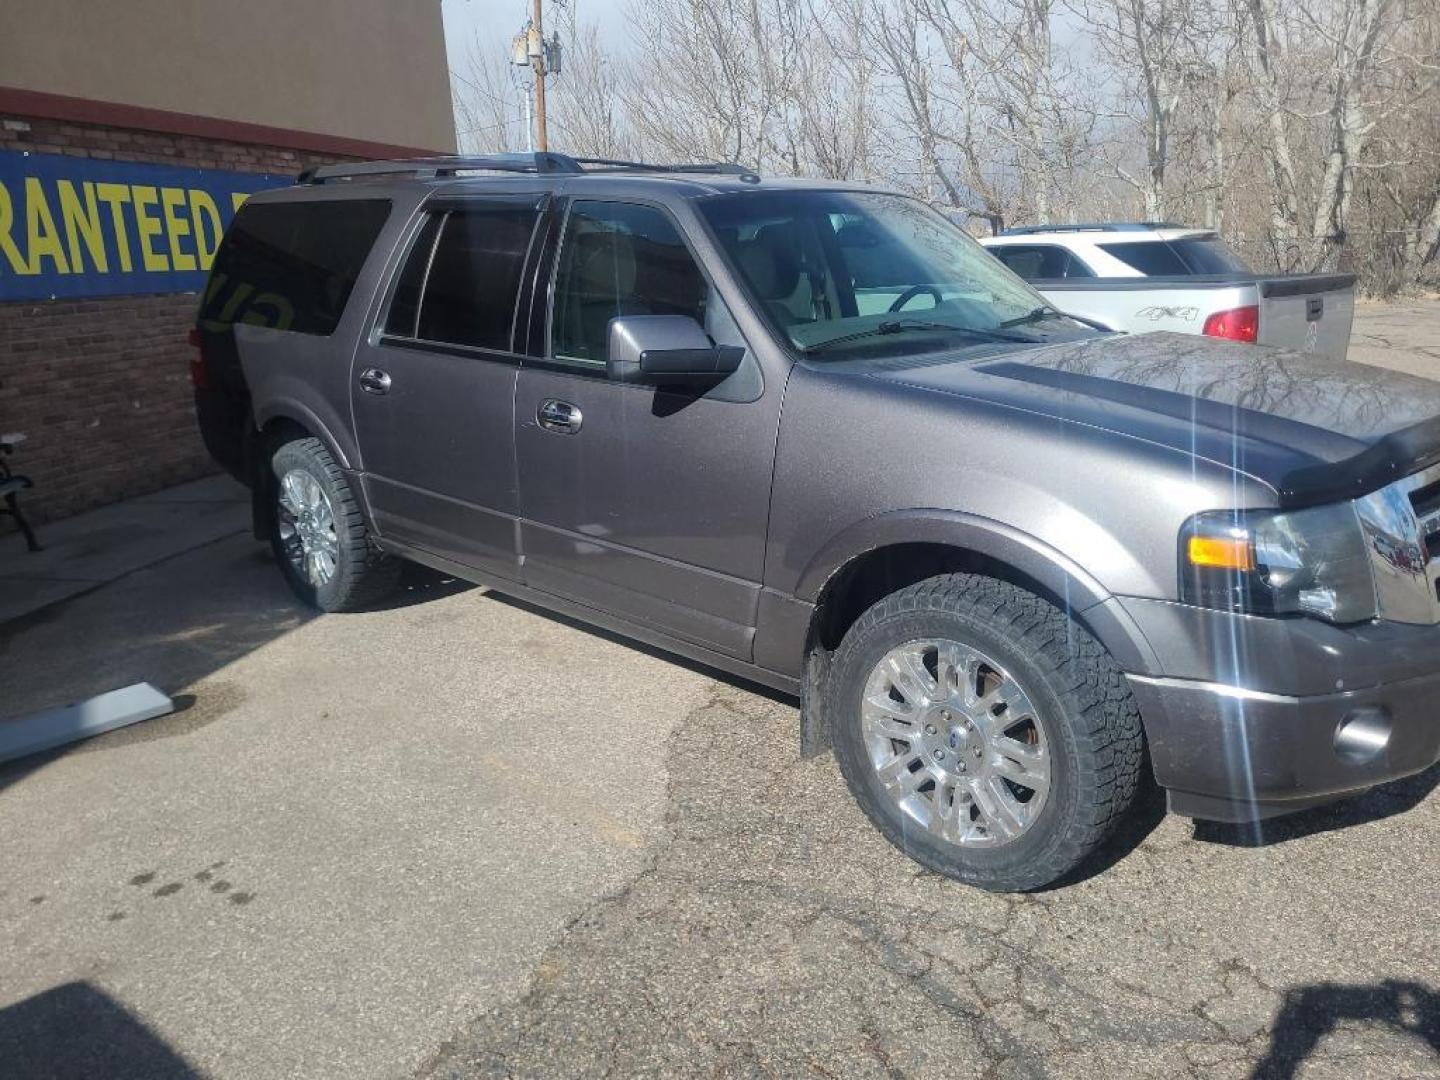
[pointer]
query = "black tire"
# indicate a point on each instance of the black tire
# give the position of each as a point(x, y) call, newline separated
point(364, 575)
point(1091, 724)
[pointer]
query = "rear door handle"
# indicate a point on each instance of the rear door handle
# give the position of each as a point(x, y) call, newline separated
point(561, 416)
point(375, 381)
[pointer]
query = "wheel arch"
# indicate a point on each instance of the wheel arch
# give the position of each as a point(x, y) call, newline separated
point(287, 415)
point(281, 423)
point(891, 551)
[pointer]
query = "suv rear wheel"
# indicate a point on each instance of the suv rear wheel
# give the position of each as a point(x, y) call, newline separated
point(987, 735)
point(319, 535)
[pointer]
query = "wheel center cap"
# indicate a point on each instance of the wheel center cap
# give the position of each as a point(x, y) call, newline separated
point(967, 744)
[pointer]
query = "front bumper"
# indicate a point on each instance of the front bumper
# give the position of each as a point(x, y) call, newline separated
point(1234, 755)
point(1249, 718)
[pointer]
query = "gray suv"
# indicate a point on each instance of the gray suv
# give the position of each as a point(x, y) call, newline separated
point(811, 434)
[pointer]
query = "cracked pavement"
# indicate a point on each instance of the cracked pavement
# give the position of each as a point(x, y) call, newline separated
point(775, 934)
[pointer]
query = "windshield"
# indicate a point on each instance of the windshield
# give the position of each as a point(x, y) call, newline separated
point(843, 274)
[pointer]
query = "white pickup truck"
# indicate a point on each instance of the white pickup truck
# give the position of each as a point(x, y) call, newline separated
point(1159, 276)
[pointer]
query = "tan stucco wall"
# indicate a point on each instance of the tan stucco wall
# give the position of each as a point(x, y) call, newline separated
point(361, 69)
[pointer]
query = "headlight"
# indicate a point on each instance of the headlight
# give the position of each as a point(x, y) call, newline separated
point(1306, 562)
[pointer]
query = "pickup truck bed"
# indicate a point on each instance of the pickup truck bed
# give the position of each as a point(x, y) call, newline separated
point(1310, 313)
point(1142, 276)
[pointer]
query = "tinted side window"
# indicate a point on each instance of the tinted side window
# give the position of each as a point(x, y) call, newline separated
point(1209, 255)
point(291, 266)
point(405, 304)
point(1151, 258)
point(1034, 262)
point(619, 259)
point(1074, 268)
point(474, 276)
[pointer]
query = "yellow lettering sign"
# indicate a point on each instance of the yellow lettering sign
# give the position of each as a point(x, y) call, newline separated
point(172, 200)
point(206, 243)
point(116, 196)
point(82, 223)
point(144, 197)
point(41, 236)
point(18, 262)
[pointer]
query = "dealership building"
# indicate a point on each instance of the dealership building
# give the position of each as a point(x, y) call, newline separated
point(129, 134)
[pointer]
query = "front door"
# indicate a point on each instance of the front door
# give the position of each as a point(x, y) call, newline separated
point(433, 392)
point(645, 503)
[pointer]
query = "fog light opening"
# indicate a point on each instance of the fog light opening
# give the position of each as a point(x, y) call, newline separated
point(1363, 735)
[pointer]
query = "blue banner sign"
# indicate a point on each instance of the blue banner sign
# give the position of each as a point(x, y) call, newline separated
point(72, 226)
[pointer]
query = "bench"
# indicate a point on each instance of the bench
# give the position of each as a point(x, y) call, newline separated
point(10, 487)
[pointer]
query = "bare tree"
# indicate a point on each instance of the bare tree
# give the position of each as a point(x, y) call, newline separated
point(585, 102)
point(1307, 130)
point(488, 101)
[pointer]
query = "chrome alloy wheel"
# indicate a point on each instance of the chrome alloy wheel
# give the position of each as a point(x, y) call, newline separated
point(307, 527)
point(956, 743)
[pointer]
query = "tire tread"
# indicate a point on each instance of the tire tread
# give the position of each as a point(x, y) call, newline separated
point(368, 574)
point(1103, 717)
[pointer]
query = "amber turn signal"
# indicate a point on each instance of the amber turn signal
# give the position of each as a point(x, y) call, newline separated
point(1226, 552)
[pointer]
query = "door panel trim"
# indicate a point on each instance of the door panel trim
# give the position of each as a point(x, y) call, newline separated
point(458, 530)
point(445, 348)
point(689, 601)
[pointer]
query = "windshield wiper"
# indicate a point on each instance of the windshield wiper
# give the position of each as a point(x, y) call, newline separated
point(1045, 311)
point(900, 326)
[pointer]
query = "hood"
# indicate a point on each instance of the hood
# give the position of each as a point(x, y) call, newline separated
point(1313, 428)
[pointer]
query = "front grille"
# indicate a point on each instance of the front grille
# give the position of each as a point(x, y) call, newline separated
point(1426, 503)
point(1402, 527)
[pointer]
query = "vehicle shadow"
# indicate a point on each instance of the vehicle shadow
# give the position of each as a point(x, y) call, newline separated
point(175, 624)
point(737, 681)
point(1388, 800)
point(1309, 1013)
point(77, 1031)
point(422, 585)
point(1145, 816)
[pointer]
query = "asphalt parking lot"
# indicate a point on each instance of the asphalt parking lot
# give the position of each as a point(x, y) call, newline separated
point(460, 837)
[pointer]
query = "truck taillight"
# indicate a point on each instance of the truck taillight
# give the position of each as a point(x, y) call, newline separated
point(199, 374)
point(1237, 324)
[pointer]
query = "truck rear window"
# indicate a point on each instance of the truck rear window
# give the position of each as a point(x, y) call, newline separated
point(291, 266)
point(1191, 255)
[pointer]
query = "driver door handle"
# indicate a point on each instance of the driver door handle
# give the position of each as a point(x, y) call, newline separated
point(375, 381)
point(560, 416)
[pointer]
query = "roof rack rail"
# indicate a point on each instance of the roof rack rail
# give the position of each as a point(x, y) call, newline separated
point(1099, 226)
point(431, 167)
point(721, 168)
point(542, 162)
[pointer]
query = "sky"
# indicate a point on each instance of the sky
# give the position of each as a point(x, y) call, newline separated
point(465, 20)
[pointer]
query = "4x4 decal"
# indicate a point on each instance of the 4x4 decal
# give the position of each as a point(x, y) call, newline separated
point(1156, 312)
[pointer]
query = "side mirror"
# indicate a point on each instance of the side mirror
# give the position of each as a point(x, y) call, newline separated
point(667, 350)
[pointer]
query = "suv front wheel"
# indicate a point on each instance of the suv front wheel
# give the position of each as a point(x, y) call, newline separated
point(319, 534)
point(987, 735)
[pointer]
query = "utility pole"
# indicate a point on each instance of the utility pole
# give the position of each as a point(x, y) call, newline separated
point(537, 61)
point(529, 49)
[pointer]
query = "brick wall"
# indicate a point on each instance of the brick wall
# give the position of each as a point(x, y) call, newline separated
point(101, 387)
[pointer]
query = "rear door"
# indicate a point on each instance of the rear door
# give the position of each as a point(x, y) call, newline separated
point(645, 503)
point(433, 386)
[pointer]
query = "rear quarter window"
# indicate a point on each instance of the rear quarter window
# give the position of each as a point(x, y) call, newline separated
point(1209, 255)
point(1153, 258)
point(291, 266)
